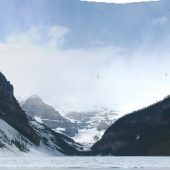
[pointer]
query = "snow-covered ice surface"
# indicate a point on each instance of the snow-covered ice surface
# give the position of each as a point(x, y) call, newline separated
point(84, 162)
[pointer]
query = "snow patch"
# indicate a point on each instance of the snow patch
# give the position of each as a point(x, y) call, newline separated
point(38, 119)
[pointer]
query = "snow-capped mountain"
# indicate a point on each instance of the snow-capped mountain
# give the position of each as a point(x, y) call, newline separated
point(36, 108)
point(20, 135)
point(85, 127)
point(91, 124)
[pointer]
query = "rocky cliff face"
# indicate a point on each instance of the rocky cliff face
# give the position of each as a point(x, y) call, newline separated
point(35, 107)
point(11, 112)
point(144, 132)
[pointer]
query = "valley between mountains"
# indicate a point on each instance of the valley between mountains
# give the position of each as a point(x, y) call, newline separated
point(36, 128)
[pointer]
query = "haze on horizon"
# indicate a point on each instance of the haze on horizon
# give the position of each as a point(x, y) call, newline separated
point(81, 55)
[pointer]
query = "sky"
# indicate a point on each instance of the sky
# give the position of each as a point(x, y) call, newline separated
point(119, 1)
point(84, 55)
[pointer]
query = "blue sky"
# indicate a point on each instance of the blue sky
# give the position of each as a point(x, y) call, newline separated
point(77, 55)
point(105, 23)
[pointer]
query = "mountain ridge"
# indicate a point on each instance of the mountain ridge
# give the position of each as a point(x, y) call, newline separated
point(145, 132)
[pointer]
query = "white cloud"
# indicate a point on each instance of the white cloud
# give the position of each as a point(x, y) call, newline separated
point(119, 1)
point(50, 36)
point(82, 78)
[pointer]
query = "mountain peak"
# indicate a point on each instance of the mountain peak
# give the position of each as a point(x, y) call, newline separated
point(35, 107)
point(34, 96)
point(36, 99)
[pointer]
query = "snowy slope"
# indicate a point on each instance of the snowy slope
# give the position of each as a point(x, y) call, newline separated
point(9, 137)
point(12, 143)
point(56, 142)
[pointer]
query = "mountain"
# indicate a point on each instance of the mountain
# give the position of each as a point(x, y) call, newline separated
point(35, 107)
point(145, 132)
point(56, 142)
point(85, 127)
point(11, 112)
point(91, 124)
point(20, 135)
point(13, 143)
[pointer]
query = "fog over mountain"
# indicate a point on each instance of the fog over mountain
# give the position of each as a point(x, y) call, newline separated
point(56, 50)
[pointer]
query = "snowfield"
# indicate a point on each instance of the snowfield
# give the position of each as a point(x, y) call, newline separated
point(55, 163)
point(87, 137)
point(91, 124)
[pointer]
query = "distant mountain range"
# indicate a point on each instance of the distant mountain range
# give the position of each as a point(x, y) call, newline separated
point(143, 132)
point(20, 135)
point(85, 127)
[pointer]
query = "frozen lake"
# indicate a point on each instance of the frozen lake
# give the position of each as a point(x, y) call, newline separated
point(64, 163)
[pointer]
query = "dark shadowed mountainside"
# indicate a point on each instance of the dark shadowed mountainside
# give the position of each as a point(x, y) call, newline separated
point(11, 112)
point(145, 133)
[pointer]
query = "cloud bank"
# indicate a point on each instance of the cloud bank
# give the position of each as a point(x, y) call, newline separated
point(81, 78)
